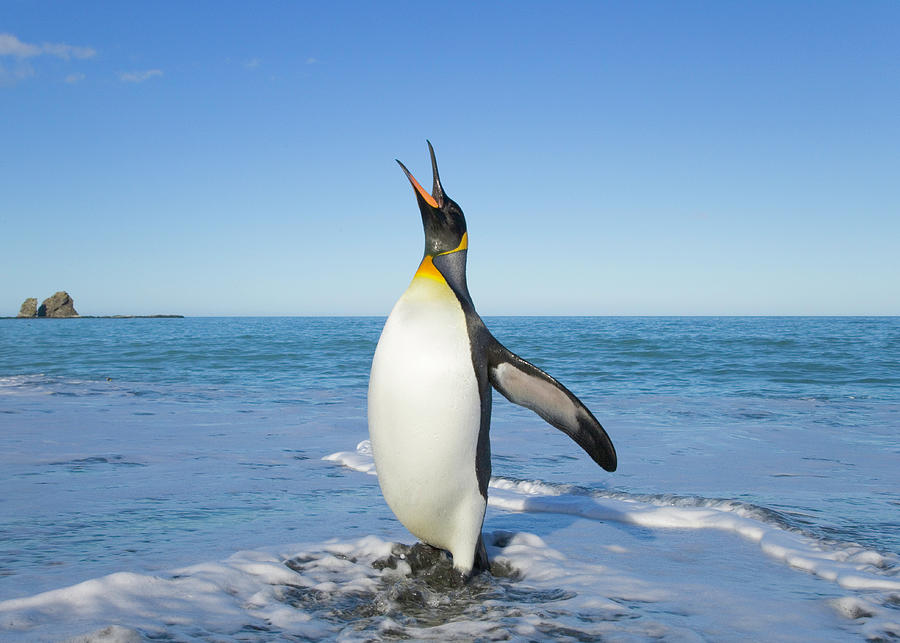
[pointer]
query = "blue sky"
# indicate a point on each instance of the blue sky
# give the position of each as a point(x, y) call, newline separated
point(229, 158)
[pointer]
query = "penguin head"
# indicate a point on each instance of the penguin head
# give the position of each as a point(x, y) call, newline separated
point(442, 218)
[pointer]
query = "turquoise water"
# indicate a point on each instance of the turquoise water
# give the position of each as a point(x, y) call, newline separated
point(820, 357)
point(147, 444)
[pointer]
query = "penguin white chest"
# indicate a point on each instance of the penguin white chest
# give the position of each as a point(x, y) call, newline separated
point(425, 415)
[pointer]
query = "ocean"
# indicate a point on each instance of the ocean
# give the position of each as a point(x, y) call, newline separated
point(208, 479)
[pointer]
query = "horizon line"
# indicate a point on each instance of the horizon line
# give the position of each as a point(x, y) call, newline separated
point(384, 315)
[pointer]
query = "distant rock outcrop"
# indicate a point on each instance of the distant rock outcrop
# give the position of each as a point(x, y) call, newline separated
point(59, 305)
point(62, 305)
point(29, 308)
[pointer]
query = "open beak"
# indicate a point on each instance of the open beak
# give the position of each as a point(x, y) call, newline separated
point(436, 198)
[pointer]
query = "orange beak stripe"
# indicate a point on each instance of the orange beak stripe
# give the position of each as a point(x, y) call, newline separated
point(428, 198)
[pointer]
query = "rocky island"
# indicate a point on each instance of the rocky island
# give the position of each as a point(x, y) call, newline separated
point(29, 308)
point(61, 306)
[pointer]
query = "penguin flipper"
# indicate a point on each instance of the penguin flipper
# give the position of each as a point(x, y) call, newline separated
point(525, 384)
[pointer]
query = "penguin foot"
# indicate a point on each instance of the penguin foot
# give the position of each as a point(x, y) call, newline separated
point(430, 565)
point(422, 557)
point(435, 566)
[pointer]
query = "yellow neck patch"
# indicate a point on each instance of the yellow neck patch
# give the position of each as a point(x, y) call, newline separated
point(427, 268)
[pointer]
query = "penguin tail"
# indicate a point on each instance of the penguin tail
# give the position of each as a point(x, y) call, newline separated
point(481, 563)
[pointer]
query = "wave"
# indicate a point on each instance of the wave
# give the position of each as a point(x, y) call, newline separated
point(353, 590)
point(848, 565)
point(372, 588)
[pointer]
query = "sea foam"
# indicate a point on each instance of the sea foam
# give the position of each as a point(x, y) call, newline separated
point(872, 576)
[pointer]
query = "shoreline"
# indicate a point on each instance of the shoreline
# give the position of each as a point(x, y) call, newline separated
point(105, 317)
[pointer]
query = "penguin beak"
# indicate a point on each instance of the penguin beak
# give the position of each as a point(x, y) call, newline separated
point(418, 188)
point(436, 198)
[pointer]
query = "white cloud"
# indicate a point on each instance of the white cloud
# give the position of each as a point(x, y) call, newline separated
point(68, 51)
point(19, 71)
point(74, 78)
point(21, 52)
point(139, 76)
point(253, 63)
point(10, 45)
point(312, 61)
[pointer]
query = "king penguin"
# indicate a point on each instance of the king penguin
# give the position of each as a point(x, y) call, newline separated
point(429, 400)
